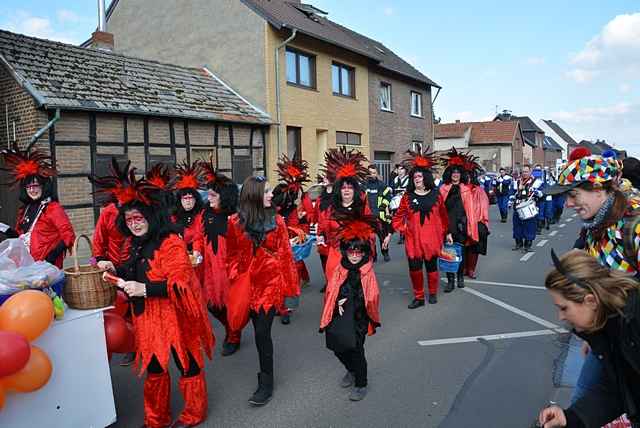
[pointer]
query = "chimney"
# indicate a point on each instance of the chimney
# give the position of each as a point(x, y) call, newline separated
point(101, 39)
point(457, 120)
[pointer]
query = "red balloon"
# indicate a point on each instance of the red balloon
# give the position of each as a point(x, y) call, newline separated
point(121, 304)
point(15, 351)
point(115, 331)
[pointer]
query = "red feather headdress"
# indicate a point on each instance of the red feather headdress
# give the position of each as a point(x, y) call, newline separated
point(356, 227)
point(210, 175)
point(471, 164)
point(293, 172)
point(123, 186)
point(454, 158)
point(419, 159)
point(343, 163)
point(188, 176)
point(159, 176)
point(24, 163)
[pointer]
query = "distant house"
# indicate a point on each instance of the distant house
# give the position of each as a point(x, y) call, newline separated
point(496, 143)
point(552, 152)
point(559, 135)
point(533, 135)
point(595, 149)
point(103, 105)
point(324, 84)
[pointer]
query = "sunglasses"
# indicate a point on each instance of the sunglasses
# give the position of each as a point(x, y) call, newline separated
point(355, 252)
point(134, 219)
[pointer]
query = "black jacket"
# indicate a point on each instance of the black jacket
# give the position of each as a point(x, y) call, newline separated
point(617, 346)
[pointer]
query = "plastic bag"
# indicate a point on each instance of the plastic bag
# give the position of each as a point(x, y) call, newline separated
point(18, 270)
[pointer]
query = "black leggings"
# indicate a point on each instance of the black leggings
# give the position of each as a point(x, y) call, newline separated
point(355, 361)
point(416, 264)
point(262, 323)
point(154, 366)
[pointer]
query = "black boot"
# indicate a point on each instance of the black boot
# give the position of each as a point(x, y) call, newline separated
point(460, 279)
point(229, 348)
point(450, 282)
point(518, 245)
point(527, 246)
point(433, 299)
point(548, 222)
point(265, 390)
point(416, 304)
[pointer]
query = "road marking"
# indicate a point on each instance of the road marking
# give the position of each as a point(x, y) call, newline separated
point(513, 309)
point(500, 284)
point(569, 219)
point(574, 214)
point(554, 233)
point(527, 256)
point(541, 243)
point(502, 336)
point(561, 226)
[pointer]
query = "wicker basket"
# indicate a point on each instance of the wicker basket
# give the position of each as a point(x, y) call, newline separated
point(85, 288)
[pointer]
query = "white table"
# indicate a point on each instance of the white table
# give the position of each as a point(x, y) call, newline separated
point(79, 393)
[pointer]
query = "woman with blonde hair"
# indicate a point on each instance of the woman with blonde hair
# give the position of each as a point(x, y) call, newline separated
point(603, 307)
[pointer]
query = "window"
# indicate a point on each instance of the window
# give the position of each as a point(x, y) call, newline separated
point(294, 142)
point(343, 80)
point(385, 96)
point(347, 138)
point(301, 68)
point(416, 104)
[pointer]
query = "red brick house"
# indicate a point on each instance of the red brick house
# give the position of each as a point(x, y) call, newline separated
point(100, 104)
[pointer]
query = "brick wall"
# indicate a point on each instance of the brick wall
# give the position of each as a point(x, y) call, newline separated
point(394, 131)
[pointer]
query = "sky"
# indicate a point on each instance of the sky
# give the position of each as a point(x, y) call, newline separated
point(576, 62)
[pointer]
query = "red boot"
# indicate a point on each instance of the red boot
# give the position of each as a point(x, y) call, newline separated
point(417, 281)
point(157, 406)
point(471, 261)
point(196, 401)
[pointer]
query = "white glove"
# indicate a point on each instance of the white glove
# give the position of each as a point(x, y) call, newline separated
point(4, 227)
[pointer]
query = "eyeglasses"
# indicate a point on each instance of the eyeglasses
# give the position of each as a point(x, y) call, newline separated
point(355, 252)
point(134, 219)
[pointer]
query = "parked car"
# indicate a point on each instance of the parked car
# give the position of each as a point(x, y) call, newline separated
point(490, 177)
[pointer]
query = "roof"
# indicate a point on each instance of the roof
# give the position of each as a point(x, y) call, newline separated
point(281, 13)
point(551, 144)
point(451, 130)
point(482, 133)
point(64, 76)
point(589, 145)
point(561, 132)
point(528, 141)
point(525, 122)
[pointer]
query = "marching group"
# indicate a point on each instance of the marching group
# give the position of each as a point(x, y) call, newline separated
point(232, 255)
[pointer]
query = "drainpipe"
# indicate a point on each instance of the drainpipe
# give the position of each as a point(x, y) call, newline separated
point(278, 103)
point(44, 129)
point(433, 125)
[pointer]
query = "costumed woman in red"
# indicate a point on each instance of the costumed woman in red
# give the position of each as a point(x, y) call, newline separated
point(222, 195)
point(481, 207)
point(288, 203)
point(422, 219)
point(352, 301)
point(42, 223)
point(110, 246)
point(262, 272)
point(168, 310)
point(321, 210)
point(460, 202)
point(187, 212)
point(347, 170)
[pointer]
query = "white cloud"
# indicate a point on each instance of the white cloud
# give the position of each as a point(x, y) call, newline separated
point(594, 114)
point(616, 49)
point(535, 60)
point(388, 11)
point(24, 23)
point(65, 16)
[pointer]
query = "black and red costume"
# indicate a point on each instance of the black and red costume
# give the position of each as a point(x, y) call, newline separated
point(170, 319)
point(423, 222)
point(42, 223)
point(481, 207)
point(320, 213)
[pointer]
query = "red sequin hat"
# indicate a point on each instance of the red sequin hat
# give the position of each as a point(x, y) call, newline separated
point(22, 164)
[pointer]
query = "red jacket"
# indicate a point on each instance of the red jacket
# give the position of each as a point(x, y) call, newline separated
point(108, 242)
point(329, 227)
point(369, 288)
point(271, 266)
point(423, 241)
point(215, 280)
point(178, 321)
point(471, 208)
point(50, 228)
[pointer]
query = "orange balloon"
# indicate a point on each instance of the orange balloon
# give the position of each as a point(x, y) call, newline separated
point(33, 376)
point(28, 312)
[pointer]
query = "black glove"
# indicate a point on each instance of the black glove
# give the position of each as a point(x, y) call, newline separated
point(55, 253)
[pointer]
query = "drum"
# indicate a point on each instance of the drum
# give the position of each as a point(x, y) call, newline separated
point(395, 202)
point(527, 210)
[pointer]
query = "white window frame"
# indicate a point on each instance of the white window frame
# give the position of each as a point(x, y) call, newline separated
point(416, 96)
point(386, 86)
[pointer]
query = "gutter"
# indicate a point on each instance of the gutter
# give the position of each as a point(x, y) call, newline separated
point(24, 83)
point(43, 129)
point(433, 125)
point(278, 102)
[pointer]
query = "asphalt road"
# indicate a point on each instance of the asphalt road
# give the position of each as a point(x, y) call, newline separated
point(414, 379)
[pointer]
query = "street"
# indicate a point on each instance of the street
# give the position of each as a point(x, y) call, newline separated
point(482, 357)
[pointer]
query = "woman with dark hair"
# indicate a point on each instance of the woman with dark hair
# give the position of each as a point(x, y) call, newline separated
point(169, 316)
point(422, 220)
point(481, 207)
point(603, 307)
point(459, 200)
point(258, 249)
point(222, 195)
point(42, 222)
point(351, 307)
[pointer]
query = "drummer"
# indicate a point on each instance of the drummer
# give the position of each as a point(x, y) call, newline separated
point(526, 190)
